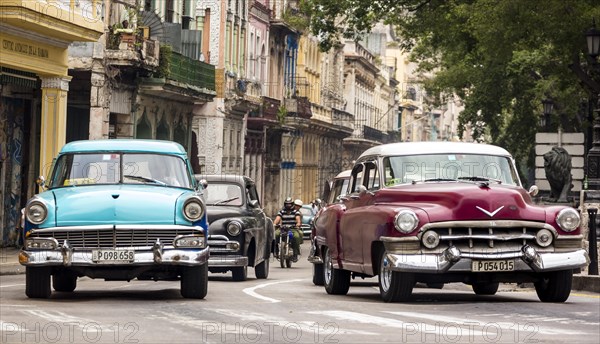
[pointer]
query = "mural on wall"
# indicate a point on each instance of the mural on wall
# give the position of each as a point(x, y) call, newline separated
point(11, 137)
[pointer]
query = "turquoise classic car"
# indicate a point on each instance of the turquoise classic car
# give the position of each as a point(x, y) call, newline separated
point(118, 210)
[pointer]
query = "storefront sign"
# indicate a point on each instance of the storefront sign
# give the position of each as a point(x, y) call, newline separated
point(25, 49)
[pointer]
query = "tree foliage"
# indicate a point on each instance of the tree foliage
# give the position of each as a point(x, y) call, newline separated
point(501, 57)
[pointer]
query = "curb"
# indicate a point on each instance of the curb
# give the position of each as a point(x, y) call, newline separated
point(586, 283)
point(9, 261)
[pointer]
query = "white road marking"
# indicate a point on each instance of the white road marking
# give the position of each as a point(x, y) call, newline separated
point(64, 318)
point(529, 325)
point(310, 327)
point(12, 285)
point(361, 318)
point(251, 291)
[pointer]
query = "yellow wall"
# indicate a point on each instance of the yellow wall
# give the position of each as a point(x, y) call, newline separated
point(77, 23)
point(309, 69)
point(31, 56)
point(34, 37)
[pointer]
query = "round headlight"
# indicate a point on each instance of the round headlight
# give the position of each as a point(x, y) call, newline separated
point(406, 221)
point(193, 210)
point(543, 237)
point(234, 228)
point(36, 212)
point(568, 219)
point(430, 239)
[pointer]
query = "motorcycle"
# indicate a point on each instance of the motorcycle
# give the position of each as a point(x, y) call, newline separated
point(285, 250)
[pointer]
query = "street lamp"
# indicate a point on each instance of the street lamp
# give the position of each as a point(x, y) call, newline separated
point(593, 155)
point(548, 108)
point(592, 37)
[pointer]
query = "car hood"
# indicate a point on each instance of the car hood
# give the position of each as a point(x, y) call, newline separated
point(115, 204)
point(216, 212)
point(219, 217)
point(466, 201)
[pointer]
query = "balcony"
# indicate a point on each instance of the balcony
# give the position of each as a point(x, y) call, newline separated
point(343, 118)
point(298, 107)
point(372, 134)
point(192, 72)
point(125, 49)
point(267, 115)
point(181, 78)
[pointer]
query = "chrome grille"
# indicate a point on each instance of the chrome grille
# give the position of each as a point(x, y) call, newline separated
point(488, 235)
point(476, 236)
point(112, 237)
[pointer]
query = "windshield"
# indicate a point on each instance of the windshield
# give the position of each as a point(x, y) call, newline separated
point(226, 194)
point(406, 169)
point(339, 188)
point(113, 168)
point(306, 211)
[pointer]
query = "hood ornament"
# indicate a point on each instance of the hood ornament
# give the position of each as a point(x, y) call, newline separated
point(488, 213)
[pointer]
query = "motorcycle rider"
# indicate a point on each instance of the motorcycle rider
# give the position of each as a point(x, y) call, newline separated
point(288, 216)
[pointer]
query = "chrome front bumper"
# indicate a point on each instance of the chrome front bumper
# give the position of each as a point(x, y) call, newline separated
point(222, 261)
point(453, 260)
point(225, 252)
point(306, 230)
point(83, 257)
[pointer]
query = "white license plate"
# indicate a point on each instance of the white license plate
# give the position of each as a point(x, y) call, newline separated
point(492, 265)
point(112, 256)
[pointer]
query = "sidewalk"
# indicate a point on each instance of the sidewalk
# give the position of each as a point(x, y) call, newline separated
point(9, 265)
point(9, 261)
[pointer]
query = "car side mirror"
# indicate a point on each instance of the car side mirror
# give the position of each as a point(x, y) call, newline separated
point(361, 189)
point(533, 190)
point(41, 182)
point(204, 183)
point(254, 204)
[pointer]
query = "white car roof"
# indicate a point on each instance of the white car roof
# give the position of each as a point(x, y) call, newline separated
point(344, 174)
point(437, 147)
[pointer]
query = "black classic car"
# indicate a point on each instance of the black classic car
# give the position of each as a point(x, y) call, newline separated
point(240, 234)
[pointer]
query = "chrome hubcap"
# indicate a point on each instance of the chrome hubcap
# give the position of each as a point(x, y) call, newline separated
point(328, 268)
point(385, 275)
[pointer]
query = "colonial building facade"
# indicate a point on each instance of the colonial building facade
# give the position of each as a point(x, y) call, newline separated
point(241, 86)
point(34, 87)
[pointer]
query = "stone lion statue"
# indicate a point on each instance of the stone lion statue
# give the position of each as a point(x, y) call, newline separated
point(557, 164)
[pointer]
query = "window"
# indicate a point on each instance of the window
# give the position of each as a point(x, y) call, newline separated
point(115, 167)
point(356, 178)
point(406, 169)
point(170, 12)
point(371, 180)
point(225, 194)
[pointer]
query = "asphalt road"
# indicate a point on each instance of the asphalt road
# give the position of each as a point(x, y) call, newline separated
point(288, 308)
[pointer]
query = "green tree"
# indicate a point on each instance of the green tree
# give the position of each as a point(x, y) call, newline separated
point(501, 57)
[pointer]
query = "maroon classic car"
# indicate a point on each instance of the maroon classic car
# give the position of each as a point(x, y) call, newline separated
point(442, 212)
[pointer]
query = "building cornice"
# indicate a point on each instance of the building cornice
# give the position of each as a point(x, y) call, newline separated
point(34, 36)
point(42, 23)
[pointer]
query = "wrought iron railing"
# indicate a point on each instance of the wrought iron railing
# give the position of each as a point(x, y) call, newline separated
point(193, 72)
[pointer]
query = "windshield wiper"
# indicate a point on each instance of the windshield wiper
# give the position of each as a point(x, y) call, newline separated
point(226, 200)
point(145, 179)
point(434, 180)
point(480, 179)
